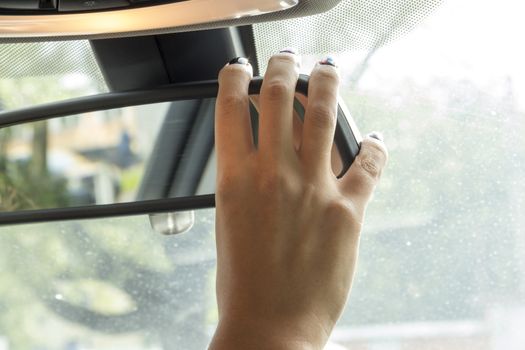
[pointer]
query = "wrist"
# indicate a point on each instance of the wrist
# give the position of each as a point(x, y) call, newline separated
point(255, 335)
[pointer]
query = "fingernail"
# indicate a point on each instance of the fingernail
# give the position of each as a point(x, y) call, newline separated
point(291, 50)
point(328, 61)
point(239, 60)
point(376, 135)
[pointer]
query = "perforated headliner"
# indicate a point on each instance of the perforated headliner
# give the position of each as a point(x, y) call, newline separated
point(351, 25)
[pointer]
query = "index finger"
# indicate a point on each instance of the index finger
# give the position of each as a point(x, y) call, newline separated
point(233, 136)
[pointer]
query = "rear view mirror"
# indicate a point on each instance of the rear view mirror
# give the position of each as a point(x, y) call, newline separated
point(126, 153)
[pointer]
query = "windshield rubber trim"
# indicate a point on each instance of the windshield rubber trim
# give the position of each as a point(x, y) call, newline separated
point(108, 210)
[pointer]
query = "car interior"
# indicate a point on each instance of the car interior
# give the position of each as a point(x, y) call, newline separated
point(107, 166)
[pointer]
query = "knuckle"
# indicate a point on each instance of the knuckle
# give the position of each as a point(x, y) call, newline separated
point(370, 166)
point(276, 89)
point(342, 209)
point(372, 159)
point(322, 115)
point(376, 148)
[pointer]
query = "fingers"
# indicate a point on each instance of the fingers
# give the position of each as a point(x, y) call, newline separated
point(233, 136)
point(277, 96)
point(321, 117)
point(362, 177)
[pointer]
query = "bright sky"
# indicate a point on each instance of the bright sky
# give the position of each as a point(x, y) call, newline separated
point(478, 40)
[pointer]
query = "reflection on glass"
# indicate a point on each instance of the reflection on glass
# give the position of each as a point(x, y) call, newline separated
point(93, 158)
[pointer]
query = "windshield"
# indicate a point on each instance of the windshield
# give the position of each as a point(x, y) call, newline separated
point(442, 257)
point(107, 284)
point(32, 73)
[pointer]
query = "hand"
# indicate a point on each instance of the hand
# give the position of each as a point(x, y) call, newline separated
point(287, 229)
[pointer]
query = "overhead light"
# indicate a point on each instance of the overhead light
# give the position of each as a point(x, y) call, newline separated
point(62, 18)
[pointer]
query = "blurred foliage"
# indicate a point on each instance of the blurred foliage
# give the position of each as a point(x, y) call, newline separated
point(18, 185)
point(20, 179)
point(441, 235)
point(130, 178)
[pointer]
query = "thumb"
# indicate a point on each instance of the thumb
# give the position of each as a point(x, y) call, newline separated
point(359, 182)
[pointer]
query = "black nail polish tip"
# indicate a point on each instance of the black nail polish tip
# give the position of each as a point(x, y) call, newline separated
point(328, 61)
point(239, 60)
point(289, 50)
point(376, 135)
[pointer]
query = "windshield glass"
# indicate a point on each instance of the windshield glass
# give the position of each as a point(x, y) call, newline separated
point(107, 284)
point(32, 73)
point(442, 258)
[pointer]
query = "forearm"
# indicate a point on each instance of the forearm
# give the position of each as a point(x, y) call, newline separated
point(231, 337)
